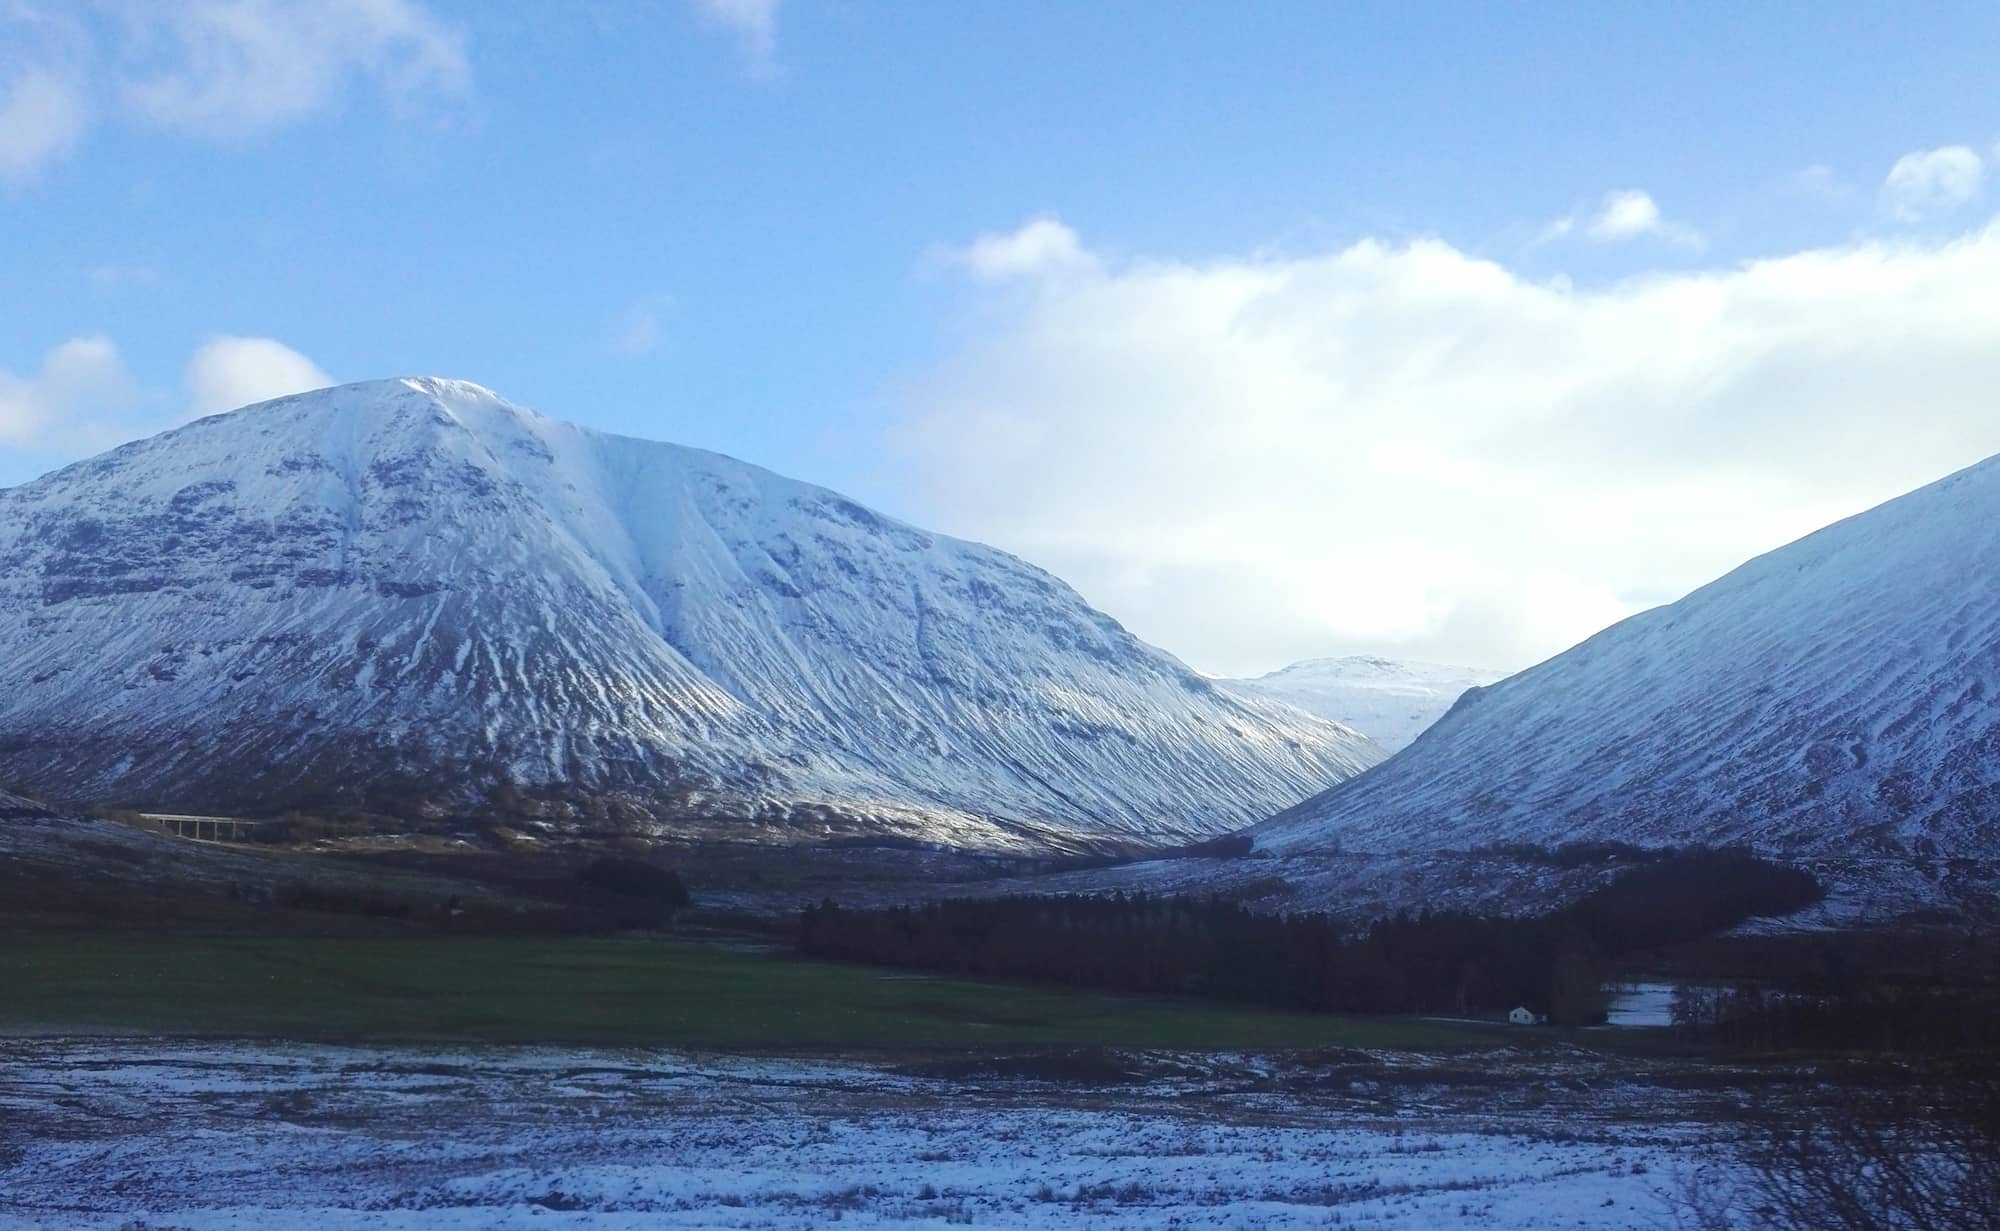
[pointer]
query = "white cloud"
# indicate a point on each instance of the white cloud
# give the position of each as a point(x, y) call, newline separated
point(754, 23)
point(638, 332)
point(1931, 182)
point(228, 372)
point(236, 68)
point(1039, 247)
point(113, 276)
point(218, 69)
point(1404, 448)
point(1819, 182)
point(84, 399)
point(42, 116)
point(1624, 213)
point(80, 392)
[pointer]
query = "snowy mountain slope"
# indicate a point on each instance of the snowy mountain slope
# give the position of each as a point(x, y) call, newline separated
point(1838, 696)
point(1388, 700)
point(414, 590)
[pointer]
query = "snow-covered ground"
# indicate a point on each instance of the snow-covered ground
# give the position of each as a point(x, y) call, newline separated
point(1389, 700)
point(127, 1133)
point(1641, 1005)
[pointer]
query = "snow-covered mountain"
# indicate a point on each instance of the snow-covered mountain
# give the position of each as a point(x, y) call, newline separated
point(412, 591)
point(1388, 700)
point(1839, 696)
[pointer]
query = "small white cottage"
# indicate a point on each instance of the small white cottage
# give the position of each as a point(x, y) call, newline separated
point(1521, 1017)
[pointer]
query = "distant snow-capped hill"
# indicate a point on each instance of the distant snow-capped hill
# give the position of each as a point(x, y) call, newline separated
point(1388, 700)
point(1839, 696)
point(414, 591)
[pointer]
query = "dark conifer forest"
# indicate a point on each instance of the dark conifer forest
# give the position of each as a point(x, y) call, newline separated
point(1427, 962)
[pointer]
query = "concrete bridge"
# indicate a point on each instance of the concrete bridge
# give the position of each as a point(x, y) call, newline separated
point(205, 828)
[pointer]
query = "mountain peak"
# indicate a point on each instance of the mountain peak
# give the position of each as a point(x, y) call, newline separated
point(1388, 700)
point(414, 590)
point(383, 392)
point(1358, 665)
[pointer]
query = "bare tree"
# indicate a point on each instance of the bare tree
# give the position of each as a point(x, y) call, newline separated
point(1926, 1160)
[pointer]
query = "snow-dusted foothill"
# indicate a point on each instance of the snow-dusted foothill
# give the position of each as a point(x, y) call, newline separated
point(1836, 698)
point(1389, 700)
point(413, 590)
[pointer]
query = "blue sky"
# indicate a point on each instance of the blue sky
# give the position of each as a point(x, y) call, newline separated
point(834, 238)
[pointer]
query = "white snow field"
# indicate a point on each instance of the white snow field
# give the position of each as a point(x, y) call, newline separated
point(413, 588)
point(1838, 697)
point(1389, 700)
point(108, 1134)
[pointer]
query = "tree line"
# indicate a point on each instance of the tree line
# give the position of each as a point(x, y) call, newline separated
point(1881, 1018)
point(1426, 962)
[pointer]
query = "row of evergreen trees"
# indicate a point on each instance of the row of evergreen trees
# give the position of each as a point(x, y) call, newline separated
point(1431, 962)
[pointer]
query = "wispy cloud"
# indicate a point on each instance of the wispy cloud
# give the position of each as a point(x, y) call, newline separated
point(1819, 182)
point(210, 69)
point(1928, 183)
point(42, 117)
point(753, 23)
point(237, 68)
point(637, 330)
point(113, 276)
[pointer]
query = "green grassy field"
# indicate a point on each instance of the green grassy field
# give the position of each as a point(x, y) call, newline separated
point(666, 992)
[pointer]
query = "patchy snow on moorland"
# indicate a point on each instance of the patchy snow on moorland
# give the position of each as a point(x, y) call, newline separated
point(127, 1133)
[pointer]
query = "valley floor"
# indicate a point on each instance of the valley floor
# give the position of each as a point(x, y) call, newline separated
point(132, 1133)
